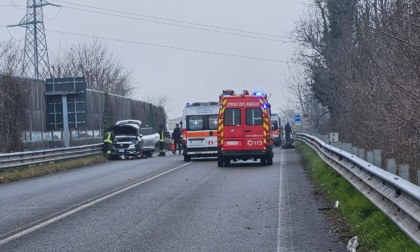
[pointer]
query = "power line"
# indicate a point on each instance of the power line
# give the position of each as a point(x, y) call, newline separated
point(16, 6)
point(172, 20)
point(183, 24)
point(11, 34)
point(52, 19)
point(10, 5)
point(167, 47)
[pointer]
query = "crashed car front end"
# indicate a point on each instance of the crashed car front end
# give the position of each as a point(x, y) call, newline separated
point(127, 143)
point(126, 148)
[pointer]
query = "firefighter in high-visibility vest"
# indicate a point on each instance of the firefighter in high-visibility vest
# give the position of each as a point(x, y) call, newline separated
point(162, 150)
point(109, 139)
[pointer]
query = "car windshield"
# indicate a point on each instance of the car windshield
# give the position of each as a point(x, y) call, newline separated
point(147, 131)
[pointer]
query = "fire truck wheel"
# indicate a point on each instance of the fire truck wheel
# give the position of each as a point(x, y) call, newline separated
point(227, 162)
point(263, 161)
point(219, 161)
point(270, 160)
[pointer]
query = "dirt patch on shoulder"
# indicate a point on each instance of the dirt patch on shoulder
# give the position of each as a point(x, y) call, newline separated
point(339, 227)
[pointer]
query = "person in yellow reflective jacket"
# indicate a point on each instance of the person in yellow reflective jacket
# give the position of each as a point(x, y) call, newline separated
point(161, 132)
point(109, 139)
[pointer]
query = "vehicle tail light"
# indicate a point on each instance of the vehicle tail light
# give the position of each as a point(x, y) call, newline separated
point(184, 136)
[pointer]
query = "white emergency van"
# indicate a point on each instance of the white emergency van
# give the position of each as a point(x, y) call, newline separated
point(199, 129)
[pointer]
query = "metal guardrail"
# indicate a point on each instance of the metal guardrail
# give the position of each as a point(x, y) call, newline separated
point(19, 159)
point(396, 197)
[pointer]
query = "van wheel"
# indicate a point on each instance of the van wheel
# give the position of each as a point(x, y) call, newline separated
point(187, 158)
point(219, 161)
point(227, 162)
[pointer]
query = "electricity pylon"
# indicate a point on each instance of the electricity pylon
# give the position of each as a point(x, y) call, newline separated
point(35, 54)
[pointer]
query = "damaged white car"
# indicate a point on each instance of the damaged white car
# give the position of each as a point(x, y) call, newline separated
point(128, 142)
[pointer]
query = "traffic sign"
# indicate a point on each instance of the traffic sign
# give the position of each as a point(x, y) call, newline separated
point(306, 124)
point(306, 120)
point(298, 119)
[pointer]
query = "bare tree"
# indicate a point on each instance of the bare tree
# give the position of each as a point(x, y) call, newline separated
point(361, 59)
point(10, 56)
point(93, 60)
point(158, 101)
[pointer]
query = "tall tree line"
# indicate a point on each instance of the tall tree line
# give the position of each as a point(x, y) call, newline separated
point(361, 65)
point(93, 60)
point(90, 59)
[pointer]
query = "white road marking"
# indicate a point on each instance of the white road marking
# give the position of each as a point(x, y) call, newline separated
point(66, 214)
point(280, 246)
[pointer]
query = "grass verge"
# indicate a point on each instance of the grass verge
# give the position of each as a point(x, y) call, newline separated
point(17, 174)
point(375, 230)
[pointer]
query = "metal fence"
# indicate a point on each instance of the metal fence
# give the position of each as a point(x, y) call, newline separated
point(396, 197)
point(19, 159)
point(376, 157)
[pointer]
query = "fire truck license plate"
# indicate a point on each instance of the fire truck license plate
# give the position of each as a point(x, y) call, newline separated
point(232, 143)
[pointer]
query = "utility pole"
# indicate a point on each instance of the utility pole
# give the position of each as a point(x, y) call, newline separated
point(35, 62)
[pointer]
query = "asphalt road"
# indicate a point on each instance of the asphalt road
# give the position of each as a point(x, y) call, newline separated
point(166, 204)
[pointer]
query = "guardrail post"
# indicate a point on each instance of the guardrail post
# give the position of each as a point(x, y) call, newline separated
point(390, 166)
point(404, 171)
point(336, 145)
point(361, 154)
point(369, 156)
point(418, 177)
point(347, 147)
point(355, 151)
point(377, 158)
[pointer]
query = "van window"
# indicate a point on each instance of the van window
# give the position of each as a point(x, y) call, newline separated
point(232, 117)
point(253, 116)
point(212, 122)
point(202, 122)
point(195, 122)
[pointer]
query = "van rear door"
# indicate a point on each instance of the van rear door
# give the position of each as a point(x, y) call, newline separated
point(254, 126)
point(232, 129)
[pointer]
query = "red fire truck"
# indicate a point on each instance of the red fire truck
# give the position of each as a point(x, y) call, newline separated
point(244, 128)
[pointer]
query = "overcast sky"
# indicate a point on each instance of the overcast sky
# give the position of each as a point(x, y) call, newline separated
point(187, 50)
